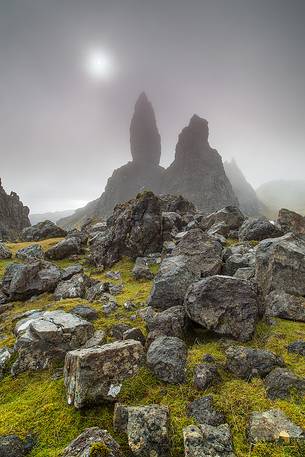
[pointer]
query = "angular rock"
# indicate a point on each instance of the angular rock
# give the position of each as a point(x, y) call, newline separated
point(195, 256)
point(93, 442)
point(280, 383)
point(118, 330)
point(297, 347)
point(65, 248)
point(247, 273)
point(96, 374)
point(289, 221)
point(258, 228)
point(273, 425)
point(5, 253)
point(171, 322)
point(204, 412)
point(85, 312)
point(97, 292)
point(42, 231)
point(14, 216)
point(177, 204)
point(208, 441)
point(134, 334)
point(172, 224)
point(72, 288)
point(13, 446)
point(238, 261)
point(5, 356)
point(245, 362)
point(225, 305)
point(285, 306)
point(141, 269)
point(22, 281)
point(45, 338)
point(205, 376)
point(166, 357)
point(34, 251)
point(224, 220)
point(71, 270)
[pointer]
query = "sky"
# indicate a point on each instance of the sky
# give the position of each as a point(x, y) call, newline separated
point(238, 63)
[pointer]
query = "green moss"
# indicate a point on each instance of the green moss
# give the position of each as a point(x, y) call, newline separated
point(99, 450)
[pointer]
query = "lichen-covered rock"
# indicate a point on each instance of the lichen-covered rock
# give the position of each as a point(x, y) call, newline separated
point(280, 264)
point(171, 322)
point(93, 442)
point(13, 446)
point(42, 231)
point(134, 334)
point(141, 269)
point(5, 356)
point(166, 357)
point(14, 217)
point(22, 281)
point(206, 375)
point(285, 306)
point(281, 383)
point(246, 362)
point(34, 251)
point(273, 425)
point(195, 256)
point(258, 228)
point(225, 305)
point(208, 441)
point(65, 248)
point(204, 411)
point(297, 347)
point(72, 288)
point(44, 338)
point(289, 221)
point(96, 374)
point(5, 253)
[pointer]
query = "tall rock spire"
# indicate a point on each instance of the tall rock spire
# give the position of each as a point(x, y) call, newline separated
point(145, 141)
point(14, 216)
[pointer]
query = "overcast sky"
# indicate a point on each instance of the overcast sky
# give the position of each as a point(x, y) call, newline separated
point(238, 63)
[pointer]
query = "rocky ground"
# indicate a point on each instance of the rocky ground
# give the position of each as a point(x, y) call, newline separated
point(213, 367)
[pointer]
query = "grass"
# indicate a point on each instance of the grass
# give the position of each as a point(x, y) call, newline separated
point(34, 403)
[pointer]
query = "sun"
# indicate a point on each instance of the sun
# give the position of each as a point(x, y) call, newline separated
point(99, 64)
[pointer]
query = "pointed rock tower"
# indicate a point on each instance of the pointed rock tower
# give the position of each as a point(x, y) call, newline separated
point(197, 172)
point(14, 217)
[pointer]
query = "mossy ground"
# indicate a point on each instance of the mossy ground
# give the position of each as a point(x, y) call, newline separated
point(35, 403)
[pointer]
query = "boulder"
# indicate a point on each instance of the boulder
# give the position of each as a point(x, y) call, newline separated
point(289, 221)
point(281, 383)
point(72, 288)
point(166, 357)
point(258, 228)
point(98, 339)
point(134, 334)
point(273, 425)
point(223, 221)
point(42, 231)
point(34, 251)
point(245, 362)
point(172, 224)
point(285, 306)
point(44, 339)
point(297, 347)
point(5, 253)
point(65, 248)
point(171, 322)
point(280, 264)
point(141, 269)
point(5, 356)
point(118, 330)
point(13, 446)
point(96, 374)
point(206, 375)
point(71, 270)
point(93, 442)
point(238, 261)
point(225, 305)
point(85, 312)
point(207, 440)
point(203, 410)
point(22, 281)
point(14, 216)
point(195, 256)
point(177, 204)
point(247, 273)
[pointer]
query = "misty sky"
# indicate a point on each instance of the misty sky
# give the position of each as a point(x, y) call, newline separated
point(238, 63)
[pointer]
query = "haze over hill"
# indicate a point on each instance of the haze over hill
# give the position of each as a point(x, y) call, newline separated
point(282, 194)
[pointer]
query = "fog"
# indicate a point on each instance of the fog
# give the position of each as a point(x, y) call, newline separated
point(238, 63)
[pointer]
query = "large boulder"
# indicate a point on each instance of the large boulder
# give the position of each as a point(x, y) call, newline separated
point(285, 306)
point(280, 264)
point(74, 287)
point(195, 256)
point(22, 281)
point(166, 357)
point(44, 338)
point(289, 221)
point(42, 231)
point(282, 383)
point(65, 248)
point(34, 251)
point(5, 253)
point(141, 269)
point(96, 374)
point(208, 441)
point(258, 228)
point(14, 216)
point(93, 442)
point(273, 425)
point(225, 305)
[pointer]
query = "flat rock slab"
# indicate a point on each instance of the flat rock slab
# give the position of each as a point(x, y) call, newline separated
point(206, 440)
point(96, 374)
point(93, 441)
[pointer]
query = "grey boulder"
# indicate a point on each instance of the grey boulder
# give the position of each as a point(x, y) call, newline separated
point(281, 383)
point(206, 375)
point(208, 441)
point(171, 322)
point(258, 228)
point(204, 411)
point(141, 269)
point(65, 248)
point(34, 251)
point(72, 288)
point(93, 441)
point(273, 425)
point(42, 231)
point(285, 306)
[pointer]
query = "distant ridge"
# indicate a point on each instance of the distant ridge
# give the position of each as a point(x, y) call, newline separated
point(53, 216)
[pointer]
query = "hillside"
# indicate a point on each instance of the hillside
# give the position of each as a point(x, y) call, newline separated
point(282, 194)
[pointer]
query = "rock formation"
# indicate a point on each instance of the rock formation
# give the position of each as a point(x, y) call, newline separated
point(197, 172)
point(14, 217)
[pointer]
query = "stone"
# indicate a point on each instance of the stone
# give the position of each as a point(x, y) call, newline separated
point(289, 221)
point(237, 261)
point(297, 347)
point(65, 248)
point(97, 292)
point(204, 412)
point(42, 231)
point(280, 383)
point(34, 251)
point(72, 288)
point(109, 307)
point(134, 334)
point(98, 339)
point(5, 253)
point(247, 273)
point(280, 264)
point(197, 172)
point(171, 322)
point(93, 442)
point(224, 305)
point(71, 270)
point(22, 281)
point(118, 330)
point(273, 425)
point(177, 204)
point(245, 362)
point(229, 218)
point(258, 228)
point(166, 358)
point(195, 256)
point(172, 224)
point(85, 312)
point(208, 441)
point(141, 269)
point(44, 339)
point(14, 216)
point(285, 306)
point(96, 374)
point(114, 275)
point(206, 375)
point(13, 446)
point(5, 356)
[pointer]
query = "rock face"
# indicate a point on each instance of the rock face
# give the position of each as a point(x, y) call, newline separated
point(96, 374)
point(206, 440)
point(42, 231)
point(93, 441)
point(14, 217)
point(197, 172)
point(225, 305)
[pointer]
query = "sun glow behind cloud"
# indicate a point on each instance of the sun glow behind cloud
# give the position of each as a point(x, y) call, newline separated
point(99, 64)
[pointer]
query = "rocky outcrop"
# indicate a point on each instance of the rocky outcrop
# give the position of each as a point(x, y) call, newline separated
point(14, 216)
point(197, 172)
